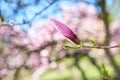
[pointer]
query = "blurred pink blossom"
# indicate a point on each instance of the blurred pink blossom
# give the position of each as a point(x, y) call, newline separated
point(3, 72)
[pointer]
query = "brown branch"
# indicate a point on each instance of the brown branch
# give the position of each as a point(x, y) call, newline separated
point(105, 16)
point(38, 13)
point(101, 47)
point(43, 47)
point(87, 47)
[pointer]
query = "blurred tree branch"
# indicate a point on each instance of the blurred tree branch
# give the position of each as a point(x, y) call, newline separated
point(76, 63)
point(38, 13)
point(104, 15)
point(20, 4)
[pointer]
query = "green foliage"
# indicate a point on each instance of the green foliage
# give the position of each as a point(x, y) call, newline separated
point(105, 73)
point(72, 47)
point(80, 45)
point(92, 42)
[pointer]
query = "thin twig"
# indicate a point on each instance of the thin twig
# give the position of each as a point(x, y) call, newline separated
point(84, 46)
point(39, 13)
point(101, 47)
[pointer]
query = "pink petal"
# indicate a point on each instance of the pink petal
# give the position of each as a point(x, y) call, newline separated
point(67, 32)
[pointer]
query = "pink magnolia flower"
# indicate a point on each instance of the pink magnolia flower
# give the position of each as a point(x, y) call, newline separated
point(65, 31)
